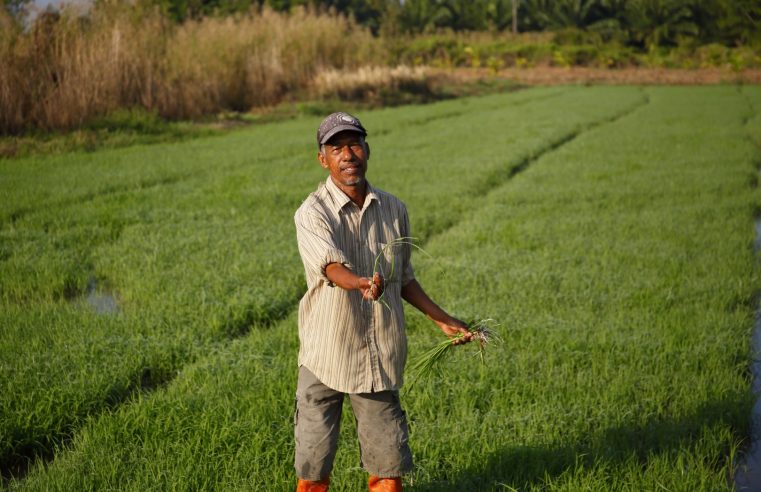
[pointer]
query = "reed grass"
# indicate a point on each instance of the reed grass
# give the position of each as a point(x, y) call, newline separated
point(67, 70)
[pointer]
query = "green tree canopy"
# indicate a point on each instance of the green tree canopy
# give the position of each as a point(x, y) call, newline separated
point(643, 23)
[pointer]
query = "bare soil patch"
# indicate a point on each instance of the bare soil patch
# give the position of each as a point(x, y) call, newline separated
point(628, 76)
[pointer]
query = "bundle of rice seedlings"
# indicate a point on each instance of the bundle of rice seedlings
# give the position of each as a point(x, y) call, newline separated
point(483, 333)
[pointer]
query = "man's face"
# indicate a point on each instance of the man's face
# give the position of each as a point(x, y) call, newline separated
point(345, 155)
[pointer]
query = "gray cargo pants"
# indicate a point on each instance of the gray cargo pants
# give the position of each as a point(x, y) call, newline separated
point(381, 427)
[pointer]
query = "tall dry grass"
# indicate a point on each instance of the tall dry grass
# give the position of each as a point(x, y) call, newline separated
point(66, 69)
point(371, 83)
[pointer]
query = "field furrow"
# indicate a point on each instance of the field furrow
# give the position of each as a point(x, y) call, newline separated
point(753, 121)
point(36, 183)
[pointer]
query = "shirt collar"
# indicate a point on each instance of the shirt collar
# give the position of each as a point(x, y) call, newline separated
point(340, 199)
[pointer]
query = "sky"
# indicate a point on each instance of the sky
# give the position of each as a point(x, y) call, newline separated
point(42, 4)
point(37, 6)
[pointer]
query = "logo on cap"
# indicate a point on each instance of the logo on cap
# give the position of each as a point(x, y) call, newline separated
point(336, 122)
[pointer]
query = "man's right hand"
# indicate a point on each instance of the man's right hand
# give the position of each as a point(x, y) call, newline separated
point(372, 289)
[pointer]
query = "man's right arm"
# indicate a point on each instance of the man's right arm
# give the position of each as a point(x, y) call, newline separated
point(323, 258)
point(317, 246)
point(344, 278)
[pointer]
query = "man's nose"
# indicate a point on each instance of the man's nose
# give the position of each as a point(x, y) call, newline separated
point(346, 152)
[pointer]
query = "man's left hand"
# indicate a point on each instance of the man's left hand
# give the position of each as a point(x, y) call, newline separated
point(454, 327)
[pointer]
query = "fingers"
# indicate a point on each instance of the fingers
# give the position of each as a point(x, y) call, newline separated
point(457, 330)
point(465, 337)
point(372, 288)
point(374, 291)
point(380, 282)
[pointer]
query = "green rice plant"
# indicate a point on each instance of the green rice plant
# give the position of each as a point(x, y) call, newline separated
point(482, 330)
point(388, 248)
point(385, 250)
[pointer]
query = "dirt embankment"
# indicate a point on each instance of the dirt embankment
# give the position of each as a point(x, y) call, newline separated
point(637, 76)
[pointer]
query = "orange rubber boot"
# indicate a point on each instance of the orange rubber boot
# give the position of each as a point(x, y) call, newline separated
point(377, 484)
point(311, 486)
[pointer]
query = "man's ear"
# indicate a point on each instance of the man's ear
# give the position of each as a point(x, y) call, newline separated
point(367, 149)
point(321, 160)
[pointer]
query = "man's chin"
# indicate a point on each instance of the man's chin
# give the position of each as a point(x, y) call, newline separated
point(358, 181)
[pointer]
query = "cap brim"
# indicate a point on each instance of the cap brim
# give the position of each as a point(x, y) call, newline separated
point(341, 128)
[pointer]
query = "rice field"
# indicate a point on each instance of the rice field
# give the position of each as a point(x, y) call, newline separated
point(148, 295)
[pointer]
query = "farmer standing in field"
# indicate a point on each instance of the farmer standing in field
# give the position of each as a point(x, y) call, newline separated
point(350, 344)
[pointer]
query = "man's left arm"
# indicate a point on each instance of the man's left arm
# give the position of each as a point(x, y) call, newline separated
point(413, 293)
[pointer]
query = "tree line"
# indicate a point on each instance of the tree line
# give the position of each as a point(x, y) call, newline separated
point(640, 23)
point(643, 23)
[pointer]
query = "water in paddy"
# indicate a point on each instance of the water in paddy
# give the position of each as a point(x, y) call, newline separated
point(748, 476)
point(102, 302)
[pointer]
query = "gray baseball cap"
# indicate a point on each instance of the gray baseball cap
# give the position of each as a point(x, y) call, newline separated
point(338, 122)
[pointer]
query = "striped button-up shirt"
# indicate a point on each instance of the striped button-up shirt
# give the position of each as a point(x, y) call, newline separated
point(353, 345)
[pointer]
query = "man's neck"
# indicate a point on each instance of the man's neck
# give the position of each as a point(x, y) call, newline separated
point(356, 194)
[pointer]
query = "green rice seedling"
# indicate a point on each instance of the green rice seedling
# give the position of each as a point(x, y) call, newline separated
point(482, 330)
point(387, 248)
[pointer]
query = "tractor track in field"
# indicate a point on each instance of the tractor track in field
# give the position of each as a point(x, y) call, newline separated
point(14, 216)
point(499, 177)
point(16, 467)
point(459, 112)
point(502, 176)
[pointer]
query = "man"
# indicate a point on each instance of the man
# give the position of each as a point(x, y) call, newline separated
point(351, 322)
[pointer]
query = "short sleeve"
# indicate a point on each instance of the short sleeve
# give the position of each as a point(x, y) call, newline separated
point(317, 245)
